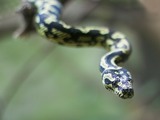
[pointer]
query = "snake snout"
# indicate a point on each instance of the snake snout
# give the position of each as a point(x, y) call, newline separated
point(127, 93)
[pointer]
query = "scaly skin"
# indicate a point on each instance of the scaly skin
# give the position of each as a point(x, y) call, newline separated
point(114, 77)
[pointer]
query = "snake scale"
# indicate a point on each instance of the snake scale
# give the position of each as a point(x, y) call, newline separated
point(48, 24)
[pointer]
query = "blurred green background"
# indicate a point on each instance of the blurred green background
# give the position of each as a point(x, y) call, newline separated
point(40, 80)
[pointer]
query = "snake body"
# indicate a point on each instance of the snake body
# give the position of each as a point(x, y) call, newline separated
point(114, 77)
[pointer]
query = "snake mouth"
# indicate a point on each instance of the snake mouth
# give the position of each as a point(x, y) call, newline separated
point(127, 93)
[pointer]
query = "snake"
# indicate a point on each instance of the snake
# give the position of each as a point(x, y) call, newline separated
point(48, 24)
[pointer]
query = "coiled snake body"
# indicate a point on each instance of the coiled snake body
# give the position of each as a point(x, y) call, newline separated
point(114, 77)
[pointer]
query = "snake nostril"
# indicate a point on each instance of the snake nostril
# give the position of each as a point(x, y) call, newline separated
point(128, 93)
point(127, 90)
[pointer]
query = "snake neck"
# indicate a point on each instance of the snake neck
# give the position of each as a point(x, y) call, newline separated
point(119, 51)
point(111, 59)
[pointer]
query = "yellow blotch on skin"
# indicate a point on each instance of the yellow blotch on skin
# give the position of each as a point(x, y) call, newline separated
point(117, 35)
point(86, 29)
point(109, 42)
point(50, 19)
point(64, 25)
point(122, 43)
point(60, 35)
point(42, 29)
point(37, 19)
point(104, 31)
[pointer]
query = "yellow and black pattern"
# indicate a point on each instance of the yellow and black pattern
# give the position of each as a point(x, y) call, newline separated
point(114, 77)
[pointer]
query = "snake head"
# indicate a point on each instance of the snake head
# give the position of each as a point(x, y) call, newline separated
point(118, 81)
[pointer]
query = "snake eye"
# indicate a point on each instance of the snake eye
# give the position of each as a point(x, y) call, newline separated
point(130, 80)
point(115, 83)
